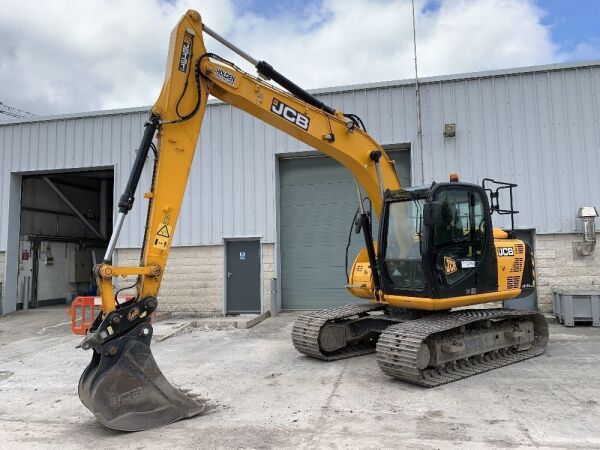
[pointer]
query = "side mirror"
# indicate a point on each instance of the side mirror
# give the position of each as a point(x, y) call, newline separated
point(432, 214)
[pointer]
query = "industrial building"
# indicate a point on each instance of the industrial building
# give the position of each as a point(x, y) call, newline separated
point(259, 196)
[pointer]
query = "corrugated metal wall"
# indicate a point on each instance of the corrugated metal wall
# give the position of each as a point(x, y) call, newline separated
point(537, 127)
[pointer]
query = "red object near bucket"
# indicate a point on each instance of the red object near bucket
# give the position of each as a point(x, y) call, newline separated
point(83, 311)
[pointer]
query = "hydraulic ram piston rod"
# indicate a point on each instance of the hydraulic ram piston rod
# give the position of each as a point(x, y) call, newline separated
point(229, 45)
point(266, 71)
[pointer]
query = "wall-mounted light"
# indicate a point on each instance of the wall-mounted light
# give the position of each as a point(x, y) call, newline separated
point(588, 215)
point(449, 130)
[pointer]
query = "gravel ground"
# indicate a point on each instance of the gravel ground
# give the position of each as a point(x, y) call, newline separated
point(263, 394)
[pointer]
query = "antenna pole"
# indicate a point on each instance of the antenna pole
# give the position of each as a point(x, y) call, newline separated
point(420, 152)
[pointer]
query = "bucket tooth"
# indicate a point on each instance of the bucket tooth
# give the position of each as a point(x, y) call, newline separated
point(124, 388)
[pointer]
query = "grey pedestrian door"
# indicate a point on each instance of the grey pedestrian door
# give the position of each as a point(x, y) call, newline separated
point(243, 277)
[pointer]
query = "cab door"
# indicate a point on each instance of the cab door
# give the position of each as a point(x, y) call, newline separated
point(461, 252)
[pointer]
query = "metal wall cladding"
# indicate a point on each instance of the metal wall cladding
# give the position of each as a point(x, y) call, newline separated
point(538, 127)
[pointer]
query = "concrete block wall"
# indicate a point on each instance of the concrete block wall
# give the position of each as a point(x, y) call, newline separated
point(193, 283)
point(268, 272)
point(2, 255)
point(557, 265)
point(193, 279)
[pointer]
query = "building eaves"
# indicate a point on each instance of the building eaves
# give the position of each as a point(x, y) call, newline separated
point(341, 89)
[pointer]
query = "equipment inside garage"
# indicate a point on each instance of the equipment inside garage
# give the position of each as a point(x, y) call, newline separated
point(317, 198)
point(66, 219)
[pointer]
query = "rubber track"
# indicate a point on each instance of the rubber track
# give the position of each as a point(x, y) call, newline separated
point(307, 329)
point(398, 345)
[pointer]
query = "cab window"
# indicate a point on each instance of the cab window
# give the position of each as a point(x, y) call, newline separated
point(403, 245)
point(459, 238)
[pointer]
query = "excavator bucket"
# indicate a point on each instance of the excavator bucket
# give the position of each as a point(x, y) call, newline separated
point(124, 388)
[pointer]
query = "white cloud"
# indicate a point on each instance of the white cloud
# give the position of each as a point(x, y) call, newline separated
point(65, 56)
point(587, 50)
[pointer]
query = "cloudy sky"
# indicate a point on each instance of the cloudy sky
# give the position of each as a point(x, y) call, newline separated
point(64, 56)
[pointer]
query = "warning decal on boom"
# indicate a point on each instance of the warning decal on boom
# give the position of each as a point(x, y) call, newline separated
point(163, 236)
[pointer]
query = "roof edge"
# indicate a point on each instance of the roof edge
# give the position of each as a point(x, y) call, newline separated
point(460, 76)
point(340, 89)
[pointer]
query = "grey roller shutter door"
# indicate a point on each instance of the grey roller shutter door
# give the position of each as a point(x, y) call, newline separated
point(317, 204)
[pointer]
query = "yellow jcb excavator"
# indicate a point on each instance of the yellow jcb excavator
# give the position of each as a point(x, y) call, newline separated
point(436, 250)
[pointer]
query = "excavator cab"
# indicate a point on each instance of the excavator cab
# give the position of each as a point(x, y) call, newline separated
point(437, 249)
point(437, 242)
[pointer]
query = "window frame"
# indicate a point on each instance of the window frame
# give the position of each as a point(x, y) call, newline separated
point(473, 192)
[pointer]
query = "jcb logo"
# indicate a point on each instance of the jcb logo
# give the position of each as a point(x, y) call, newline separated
point(450, 265)
point(506, 251)
point(290, 114)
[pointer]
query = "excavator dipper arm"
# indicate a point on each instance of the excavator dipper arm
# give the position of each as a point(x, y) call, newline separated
point(123, 385)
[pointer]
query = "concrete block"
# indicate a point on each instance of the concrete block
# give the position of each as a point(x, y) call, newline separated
point(544, 237)
point(566, 251)
point(268, 259)
point(545, 253)
point(544, 290)
point(573, 271)
point(197, 263)
point(217, 251)
point(544, 262)
point(217, 271)
point(545, 303)
point(556, 244)
point(542, 272)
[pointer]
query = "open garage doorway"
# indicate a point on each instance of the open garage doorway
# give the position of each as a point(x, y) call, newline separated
point(65, 224)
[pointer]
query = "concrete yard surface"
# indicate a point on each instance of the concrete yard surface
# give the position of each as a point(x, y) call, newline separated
point(264, 394)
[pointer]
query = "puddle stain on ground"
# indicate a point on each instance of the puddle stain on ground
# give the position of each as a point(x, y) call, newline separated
point(4, 374)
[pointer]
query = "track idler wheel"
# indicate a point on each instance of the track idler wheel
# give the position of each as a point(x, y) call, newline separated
point(124, 388)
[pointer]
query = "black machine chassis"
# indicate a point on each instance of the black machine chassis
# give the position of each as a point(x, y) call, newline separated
point(398, 344)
